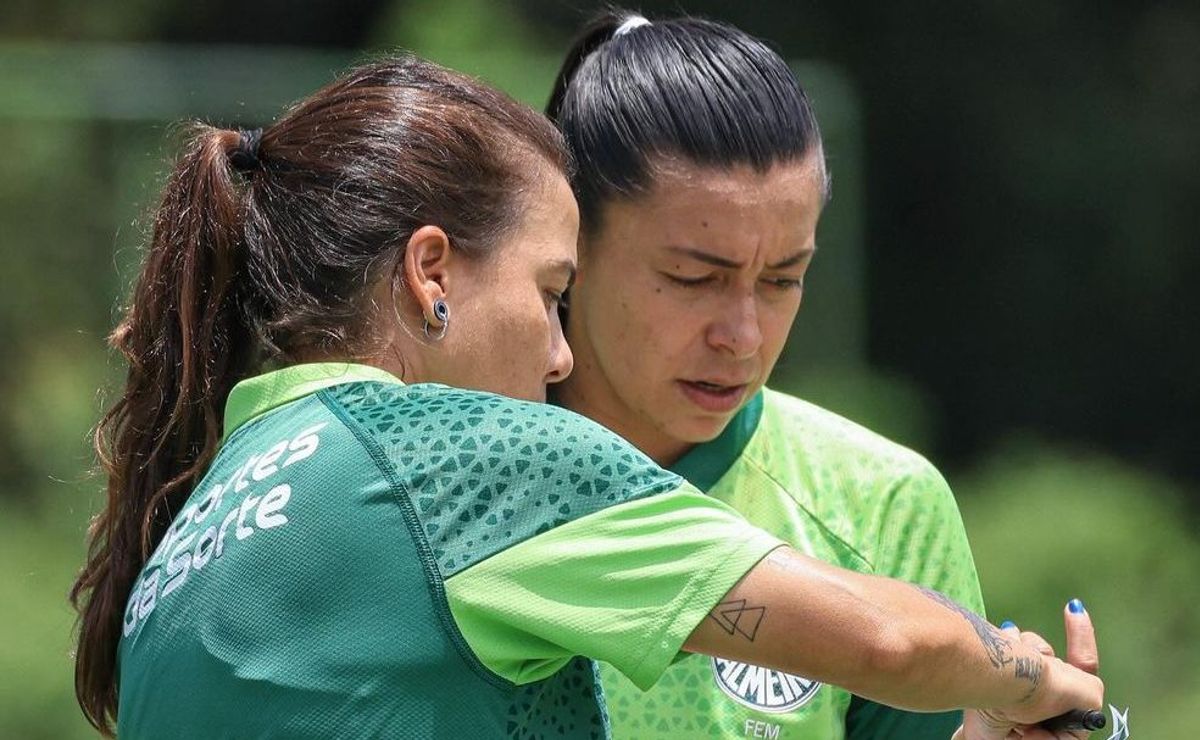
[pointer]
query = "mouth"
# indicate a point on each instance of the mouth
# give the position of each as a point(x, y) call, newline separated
point(713, 397)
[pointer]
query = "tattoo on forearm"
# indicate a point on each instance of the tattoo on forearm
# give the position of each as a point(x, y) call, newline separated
point(1031, 670)
point(998, 649)
point(737, 618)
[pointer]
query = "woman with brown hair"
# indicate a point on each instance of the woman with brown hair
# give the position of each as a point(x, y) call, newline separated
point(329, 515)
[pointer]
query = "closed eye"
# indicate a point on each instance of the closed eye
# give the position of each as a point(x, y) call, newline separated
point(785, 283)
point(688, 281)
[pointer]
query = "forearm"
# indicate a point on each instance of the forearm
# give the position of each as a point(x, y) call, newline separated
point(879, 638)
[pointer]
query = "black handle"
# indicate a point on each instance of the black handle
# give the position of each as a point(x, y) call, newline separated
point(1076, 719)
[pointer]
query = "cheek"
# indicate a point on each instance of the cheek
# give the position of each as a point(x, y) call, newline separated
point(525, 338)
point(503, 339)
point(775, 323)
point(648, 337)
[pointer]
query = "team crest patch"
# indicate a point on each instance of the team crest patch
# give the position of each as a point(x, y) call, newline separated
point(761, 688)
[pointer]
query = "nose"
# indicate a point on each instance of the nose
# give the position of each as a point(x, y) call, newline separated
point(736, 330)
point(561, 360)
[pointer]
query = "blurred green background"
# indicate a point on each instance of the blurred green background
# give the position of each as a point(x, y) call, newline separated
point(1006, 278)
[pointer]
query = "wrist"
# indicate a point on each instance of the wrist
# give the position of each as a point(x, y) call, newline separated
point(984, 724)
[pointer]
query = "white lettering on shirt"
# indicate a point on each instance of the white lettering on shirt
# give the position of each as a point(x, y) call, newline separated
point(758, 728)
point(186, 553)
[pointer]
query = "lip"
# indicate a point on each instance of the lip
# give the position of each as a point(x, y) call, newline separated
point(718, 401)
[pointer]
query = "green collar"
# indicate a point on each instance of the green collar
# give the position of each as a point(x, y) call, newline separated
point(258, 395)
point(704, 464)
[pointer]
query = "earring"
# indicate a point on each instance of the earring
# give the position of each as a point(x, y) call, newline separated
point(441, 313)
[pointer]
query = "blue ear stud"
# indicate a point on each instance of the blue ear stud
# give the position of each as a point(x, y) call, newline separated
point(441, 313)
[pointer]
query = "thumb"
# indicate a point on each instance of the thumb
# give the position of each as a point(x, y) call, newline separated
point(1081, 638)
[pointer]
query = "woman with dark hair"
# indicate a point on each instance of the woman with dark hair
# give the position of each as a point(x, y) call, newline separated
point(700, 180)
point(354, 542)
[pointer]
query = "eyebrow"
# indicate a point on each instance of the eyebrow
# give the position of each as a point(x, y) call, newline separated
point(794, 259)
point(711, 259)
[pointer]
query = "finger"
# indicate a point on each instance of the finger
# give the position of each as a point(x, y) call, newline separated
point(1033, 732)
point(1032, 639)
point(1082, 651)
point(1035, 641)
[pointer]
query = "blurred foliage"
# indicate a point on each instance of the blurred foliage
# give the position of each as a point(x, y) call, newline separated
point(885, 403)
point(41, 549)
point(1047, 526)
point(1016, 182)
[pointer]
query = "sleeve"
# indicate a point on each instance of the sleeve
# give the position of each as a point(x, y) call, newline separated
point(625, 585)
point(922, 541)
point(550, 536)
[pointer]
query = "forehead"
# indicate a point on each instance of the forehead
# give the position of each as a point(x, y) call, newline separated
point(687, 199)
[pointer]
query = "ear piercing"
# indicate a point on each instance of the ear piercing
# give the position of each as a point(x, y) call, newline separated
point(441, 314)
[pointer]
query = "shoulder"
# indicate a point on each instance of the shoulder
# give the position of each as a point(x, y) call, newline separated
point(436, 417)
point(378, 400)
point(482, 468)
point(889, 502)
point(795, 434)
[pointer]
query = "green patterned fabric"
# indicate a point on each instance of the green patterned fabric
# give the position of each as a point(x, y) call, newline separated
point(306, 587)
point(835, 491)
point(626, 585)
point(485, 471)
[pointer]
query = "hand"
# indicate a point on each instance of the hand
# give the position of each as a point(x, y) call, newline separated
point(1082, 655)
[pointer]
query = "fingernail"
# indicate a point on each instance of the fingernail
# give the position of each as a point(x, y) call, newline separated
point(1075, 606)
point(1006, 624)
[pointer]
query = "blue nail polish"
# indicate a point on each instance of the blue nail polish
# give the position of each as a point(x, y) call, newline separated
point(1006, 624)
point(1075, 606)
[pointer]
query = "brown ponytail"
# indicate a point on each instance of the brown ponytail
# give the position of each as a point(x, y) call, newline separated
point(275, 262)
point(182, 336)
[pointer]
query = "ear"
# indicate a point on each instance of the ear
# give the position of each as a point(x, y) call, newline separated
point(426, 258)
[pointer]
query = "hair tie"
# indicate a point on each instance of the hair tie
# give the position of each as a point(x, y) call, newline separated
point(634, 21)
point(245, 157)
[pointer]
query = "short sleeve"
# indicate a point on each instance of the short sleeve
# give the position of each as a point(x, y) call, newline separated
point(626, 585)
point(551, 536)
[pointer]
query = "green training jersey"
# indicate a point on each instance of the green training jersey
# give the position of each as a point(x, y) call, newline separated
point(840, 493)
point(369, 559)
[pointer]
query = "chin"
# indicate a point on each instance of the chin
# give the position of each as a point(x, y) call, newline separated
point(699, 430)
point(535, 395)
